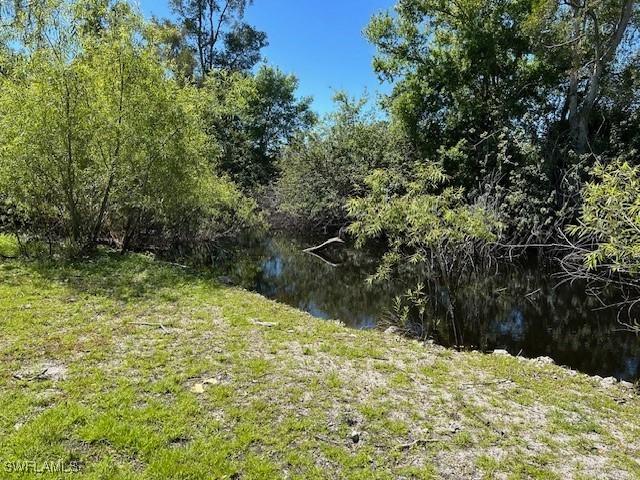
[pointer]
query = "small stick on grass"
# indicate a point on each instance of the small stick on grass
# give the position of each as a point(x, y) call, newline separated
point(485, 384)
point(328, 440)
point(17, 376)
point(415, 443)
point(158, 325)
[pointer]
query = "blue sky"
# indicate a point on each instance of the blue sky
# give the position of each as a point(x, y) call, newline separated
point(319, 41)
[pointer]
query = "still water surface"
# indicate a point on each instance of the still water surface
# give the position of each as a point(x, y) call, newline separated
point(518, 308)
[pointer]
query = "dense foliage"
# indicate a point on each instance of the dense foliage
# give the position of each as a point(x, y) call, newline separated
point(96, 140)
point(514, 97)
point(253, 117)
point(514, 103)
point(609, 224)
point(322, 169)
point(424, 221)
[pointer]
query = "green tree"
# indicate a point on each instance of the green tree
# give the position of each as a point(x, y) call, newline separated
point(25, 20)
point(506, 94)
point(174, 48)
point(253, 117)
point(97, 138)
point(462, 72)
point(323, 168)
point(587, 43)
point(424, 222)
point(216, 34)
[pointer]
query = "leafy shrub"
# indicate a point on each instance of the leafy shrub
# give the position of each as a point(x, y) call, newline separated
point(322, 169)
point(98, 141)
point(423, 221)
point(609, 225)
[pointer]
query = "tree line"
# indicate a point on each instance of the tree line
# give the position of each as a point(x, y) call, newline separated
point(509, 123)
point(139, 133)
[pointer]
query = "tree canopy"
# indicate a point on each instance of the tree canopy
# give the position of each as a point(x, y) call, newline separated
point(508, 121)
point(214, 32)
point(97, 139)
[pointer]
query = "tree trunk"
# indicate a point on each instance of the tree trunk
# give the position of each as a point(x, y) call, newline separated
point(580, 112)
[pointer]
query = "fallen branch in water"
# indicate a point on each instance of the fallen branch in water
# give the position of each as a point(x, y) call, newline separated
point(331, 241)
point(334, 265)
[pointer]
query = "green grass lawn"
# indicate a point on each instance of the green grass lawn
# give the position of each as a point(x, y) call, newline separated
point(124, 367)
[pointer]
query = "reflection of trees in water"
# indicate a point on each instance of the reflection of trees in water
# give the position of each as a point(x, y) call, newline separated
point(517, 308)
point(524, 310)
point(280, 269)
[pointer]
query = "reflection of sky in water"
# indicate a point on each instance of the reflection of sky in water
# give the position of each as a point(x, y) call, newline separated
point(513, 326)
point(362, 322)
point(273, 267)
point(367, 322)
point(631, 365)
point(313, 309)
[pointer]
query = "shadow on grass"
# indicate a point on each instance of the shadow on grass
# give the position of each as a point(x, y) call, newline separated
point(120, 277)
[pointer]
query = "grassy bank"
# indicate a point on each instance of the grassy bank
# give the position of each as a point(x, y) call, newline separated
point(123, 367)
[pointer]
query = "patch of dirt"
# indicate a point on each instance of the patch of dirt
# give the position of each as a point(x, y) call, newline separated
point(48, 370)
